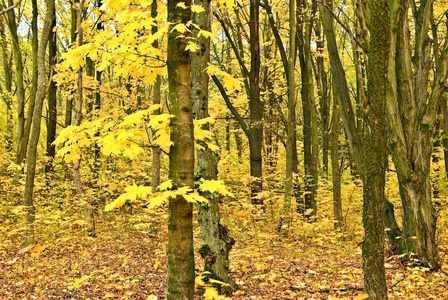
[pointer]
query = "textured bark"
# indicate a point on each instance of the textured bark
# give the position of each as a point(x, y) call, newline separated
point(336, 168)
point(411, 115)
point(322, 87)
point(20, 88)
point(255, 126)
point(35, 132)
point(52, 111)
point(309, 114)
point(23, 142)
point(155, 173)
point(291, 124)
point(371, 155)
point(181, 273)
point(375, 152)
point(74, 20)
point(445, 132)
point(8, 86)
point(89, 216)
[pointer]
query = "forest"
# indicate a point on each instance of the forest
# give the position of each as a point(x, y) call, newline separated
point(225, 149)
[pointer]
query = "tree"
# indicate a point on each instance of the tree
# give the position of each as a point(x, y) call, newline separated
point(375, 152)
point(181, 162)
point(253, 131)
point(52, 103)
point(35, 132)
point(370, 154)
point(411, 115)
point(216, 241)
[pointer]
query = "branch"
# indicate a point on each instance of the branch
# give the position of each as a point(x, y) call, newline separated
point(346, 28)
point(230, 105)
point(10, 8)
point(278, 38)
point(232, 43)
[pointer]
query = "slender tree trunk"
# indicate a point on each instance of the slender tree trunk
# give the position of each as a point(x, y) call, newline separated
point(216, 241)
point(52, 111)
point(8, 86)
point(335, 166)
point(155, 176)
point(375, 152)
point(322, 85)
point(89, 208)
point(20, 88)
point(445, 132)
point(291, 124)
point(23, 143)
point(181, 273)
point(309, 114)
point(255, 126)
point(35, 133)
point(74, 20)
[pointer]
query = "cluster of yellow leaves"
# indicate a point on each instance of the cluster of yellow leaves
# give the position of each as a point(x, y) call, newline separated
point(127, 137)
point(166, 192)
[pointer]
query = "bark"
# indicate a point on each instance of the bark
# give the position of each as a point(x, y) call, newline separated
point(254, 131)
point(23, 142)
point(255, 125)
point(52, 108)
point(155, 174)
point(290, 129)
point(375, 152)
point(411, 114)
point(371, 155)
point(89, 209)
point(74, 20)
point(445, 132)
point(336, 168)
point(35, 133)
point(8, 86)
point(322, 87)
point(216, 241)
point(20, 88)
point(309, 115)
point(181, 273)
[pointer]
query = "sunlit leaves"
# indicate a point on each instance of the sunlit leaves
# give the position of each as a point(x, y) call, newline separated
point(215, 186)
point(230, 82)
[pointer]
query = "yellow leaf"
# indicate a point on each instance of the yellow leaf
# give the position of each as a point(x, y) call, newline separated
point(197, 8)
point(193, 47)
point(361, 297)
point(215, 186)
point(180, 28)
point(211, 293)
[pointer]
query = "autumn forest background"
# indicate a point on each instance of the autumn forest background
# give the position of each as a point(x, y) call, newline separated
point(257, 149)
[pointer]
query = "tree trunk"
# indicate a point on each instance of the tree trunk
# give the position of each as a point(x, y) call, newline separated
point(20, 89)
point(8, 86)
point(309, 115)
point(255, 126)
point(291, 124)
point(375, 152)
point(23, 143)
point(181, 273)
point(445, 132)
point(74, 20)
point(35, 133)
point(52, 111)
point(155, 174)
point(336, 168)
point(411, 114)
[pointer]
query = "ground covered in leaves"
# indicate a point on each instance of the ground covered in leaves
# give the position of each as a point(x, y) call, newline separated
point(127, 258)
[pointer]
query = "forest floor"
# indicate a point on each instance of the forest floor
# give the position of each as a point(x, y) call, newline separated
point(127, 259)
